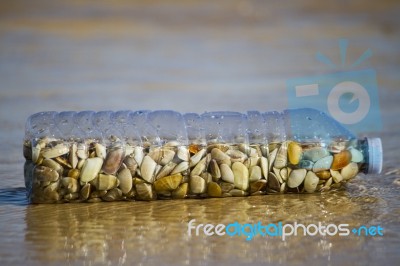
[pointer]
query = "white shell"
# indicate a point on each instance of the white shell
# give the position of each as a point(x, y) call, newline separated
point(296, 178)
point(226, 173)
point(91, 169)
point(148, 168)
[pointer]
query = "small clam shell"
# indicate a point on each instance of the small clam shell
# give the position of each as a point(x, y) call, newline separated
point(53, 186)
point(264, 150)
point(283, 187)
point(324, 175)
point(105, 182)
point(316, 153)
point(340, 160)
point(272, 157)
point(220, 156)
point(294, 153)
point(296, 178)
point(195, 159)
point(194, 148)
point(168, 183)
point(145, 191)
point(183, 166)
point(349, 171)
point(56, 151)
point(206, 176)
point(162, 156)
point(180, 192)
point(245, 148)
point(264, 167)
point(306, 164)
point(310, 182)
point(277, 173)
point(98, 193)
point(100, 150)
point(71, 196)
point(236, 156)
point(281, 156)
point(328, 183)
point(138, 154)
point(53, 165)
point(129, 149)
point(284, 174)
point(80, 164)
point(157, 170)
point(241, 176)
point(85, 191)
point(214, 190)
point(197, 184)
point(183, 153)
point(220, 146)
point(35, 152)
point(172, 143)
point(226, 187)
point(337, 146)
point(166, 170)
point(51, 196)
point(273, 146)
point(255, 173)
point(73, 158)
point(112, 195)
point(131, 164)
point(148, 168)
point(45, 174)
point(82, 151)
point(71, 184)
point(323, 164)
point(214, 169)
point(336, 176)
point(200, 167)
point(113, 160)
point(91, 169)
point(252, 161)
point(125, 180)
point(226, 173)
point(259, 185)
point(63, 162)
point(356, 155)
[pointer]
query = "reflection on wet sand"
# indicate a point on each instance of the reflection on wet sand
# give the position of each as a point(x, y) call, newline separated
point(156, 232)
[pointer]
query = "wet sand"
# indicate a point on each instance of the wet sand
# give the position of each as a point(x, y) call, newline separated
point(189, 56)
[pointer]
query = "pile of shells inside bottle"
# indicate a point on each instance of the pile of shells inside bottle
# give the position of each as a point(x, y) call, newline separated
point(88, 171)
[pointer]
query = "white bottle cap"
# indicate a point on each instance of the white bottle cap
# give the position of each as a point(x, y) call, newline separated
point(375, 155)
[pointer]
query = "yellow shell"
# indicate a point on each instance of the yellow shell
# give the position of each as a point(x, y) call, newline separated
point(180, 192)
point(168, 183)
point(324, 174)
point(214, 190)
point(340, 160)
point(294, 153)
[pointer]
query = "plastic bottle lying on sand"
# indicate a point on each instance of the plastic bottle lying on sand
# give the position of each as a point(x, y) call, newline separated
point(143, 155)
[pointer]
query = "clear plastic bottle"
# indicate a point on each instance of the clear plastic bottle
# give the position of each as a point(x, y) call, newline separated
point(144, 155)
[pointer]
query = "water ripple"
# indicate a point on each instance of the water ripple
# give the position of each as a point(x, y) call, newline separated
point(13, 196)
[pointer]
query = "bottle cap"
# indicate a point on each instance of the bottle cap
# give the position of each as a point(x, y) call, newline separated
point(375, 155)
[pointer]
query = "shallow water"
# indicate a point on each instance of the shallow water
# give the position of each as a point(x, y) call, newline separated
point(191, 57)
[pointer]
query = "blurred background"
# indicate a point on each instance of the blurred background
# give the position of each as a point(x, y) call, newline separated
point(189, 56)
